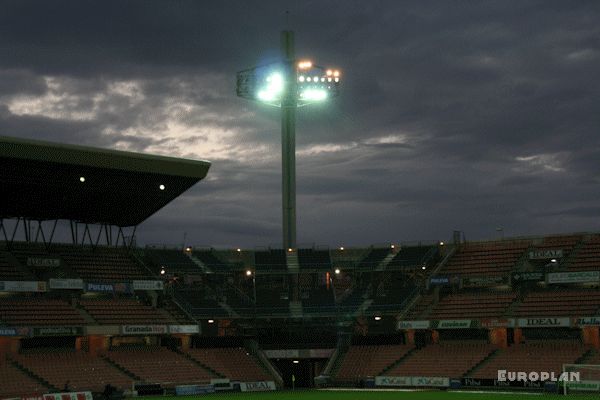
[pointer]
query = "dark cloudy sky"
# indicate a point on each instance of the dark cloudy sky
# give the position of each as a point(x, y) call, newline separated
point(468, 115)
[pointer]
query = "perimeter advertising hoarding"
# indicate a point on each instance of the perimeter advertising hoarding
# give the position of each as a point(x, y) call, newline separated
point(58, 331)
point(476, 382)
point(543, 322)
point(573, 277)
point(23, 286)
point(184, 329)
point(587, 321)
point(148, 285)
point(261, 386)
point(75, 284)
point(484, 281)
point(190, 390)
point(69, 396)
point(144, 329)
point(420, 381)
point(454, 324)
point(43, 262)
point(10, 331)
point(497, 323)
point(121, 287)
point(413, 324)
point(545, 254)
point(530, 276)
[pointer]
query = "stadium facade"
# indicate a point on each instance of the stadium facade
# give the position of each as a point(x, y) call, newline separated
point(101, 311)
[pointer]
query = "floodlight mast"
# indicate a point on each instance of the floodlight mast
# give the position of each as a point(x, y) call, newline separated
point(288, 140)
point(279, 84)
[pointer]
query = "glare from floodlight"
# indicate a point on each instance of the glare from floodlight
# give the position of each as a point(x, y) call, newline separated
point(342, 248)
point(296, 362)
point(211, 321)
point(188, 249)
point(553, 260)
point(329, 72)
point(423, 268)
point(290, 250)
point(238, 250)
point(305, 64)
point(377, 318)
point(441, 243)
point(392, 246)
point(161, 187)
point(301, 78)
point(336, 73)
point(162, 271)
point(337, 271)
point(313, 94)
point(82, 179)
point(248, 273)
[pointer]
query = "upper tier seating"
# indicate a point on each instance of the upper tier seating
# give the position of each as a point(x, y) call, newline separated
point(273, 259)
point(233, 363)
point(8, 270)
point(492, 258)
point(556, 303)
point(410, 256)
point(473, 305)
point(38, 311)
point(160, 365)
point(124, 312)
point(83, 371)
point(175, 261)
point(102, 263)
point(547, 355)
point(364, 361)
point(374, 258)
point(208, 258)
point(15, 383)
point(452, 359)
point(588, 256)
point(314, 259)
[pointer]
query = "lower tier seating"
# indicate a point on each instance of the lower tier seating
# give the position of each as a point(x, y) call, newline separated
point(363, 361)
point(233, 363)
point(15, 383)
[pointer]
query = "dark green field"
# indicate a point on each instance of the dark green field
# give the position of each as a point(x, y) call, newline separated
point(369, 395)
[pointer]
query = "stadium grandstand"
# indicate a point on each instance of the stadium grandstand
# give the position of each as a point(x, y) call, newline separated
point(83, 308)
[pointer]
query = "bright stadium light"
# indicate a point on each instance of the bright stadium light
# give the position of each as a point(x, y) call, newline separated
point(82, 179)
point(337, 271)
point(248, 273)
point(288, 84)
point(161, 187)
point(377, 318)
point(162, 270)
point(211, 321)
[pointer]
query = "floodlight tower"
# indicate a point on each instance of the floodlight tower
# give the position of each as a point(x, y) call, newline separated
point(288, 84)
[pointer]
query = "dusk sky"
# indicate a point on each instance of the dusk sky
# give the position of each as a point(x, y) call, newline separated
point(452, 115)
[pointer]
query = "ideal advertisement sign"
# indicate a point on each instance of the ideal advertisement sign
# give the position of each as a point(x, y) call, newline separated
point(545, 254)
point(261, 386)
point(573, 277)
point(144, 329)
point(22, 286)
point(75, 284)
point(148, 285)
point(413, 324)
point(543, 322)
point(43, 262)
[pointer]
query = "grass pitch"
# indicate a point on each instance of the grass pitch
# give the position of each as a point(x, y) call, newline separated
point(367, 395)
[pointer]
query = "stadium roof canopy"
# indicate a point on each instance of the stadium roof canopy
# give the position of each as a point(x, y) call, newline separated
point(49, 181)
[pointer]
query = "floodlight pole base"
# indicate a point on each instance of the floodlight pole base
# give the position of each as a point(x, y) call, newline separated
point(288, 142)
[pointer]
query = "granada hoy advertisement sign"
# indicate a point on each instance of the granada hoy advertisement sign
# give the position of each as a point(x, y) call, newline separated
point(144, 329)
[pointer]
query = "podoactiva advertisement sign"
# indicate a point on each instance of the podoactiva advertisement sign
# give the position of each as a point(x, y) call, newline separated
point(261, 386)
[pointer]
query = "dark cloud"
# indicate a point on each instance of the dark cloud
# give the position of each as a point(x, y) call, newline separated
point(453, 115)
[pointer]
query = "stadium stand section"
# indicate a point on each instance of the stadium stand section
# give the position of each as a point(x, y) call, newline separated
point(14, 382)
point(473, 305)
point(236, 363)
point(38, 311)
point(369, 360)
point(586, 258)
point(314, 259)
point(493, 258)
point(270, 260)
point(124, 311)
point(560, 302)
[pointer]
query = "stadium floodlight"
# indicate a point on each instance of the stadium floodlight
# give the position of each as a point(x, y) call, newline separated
point(211, 321)
point(377, 318)
point(248, 273)
point(337, 271)
point(162, 270)
point(288, 84)
point(82, 179)
point(161, 187)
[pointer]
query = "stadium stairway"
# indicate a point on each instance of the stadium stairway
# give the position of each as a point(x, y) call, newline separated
point(85, 315)
point(259, 355)
point(296, 310)
point(200, 364)
point(32, 375)
point(12, 268)
point(384, 263)
point(397, 362)
point(293, 264)
point(199, 263)
point(120, 368)
point(482, 363)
